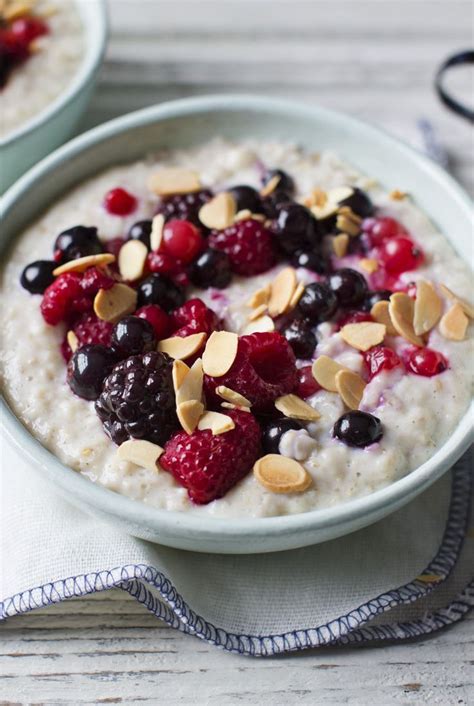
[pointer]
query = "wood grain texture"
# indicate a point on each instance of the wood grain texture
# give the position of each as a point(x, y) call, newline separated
point(372, 58)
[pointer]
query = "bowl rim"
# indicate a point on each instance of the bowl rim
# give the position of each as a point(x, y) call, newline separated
point(90, 63)
point(139, 513)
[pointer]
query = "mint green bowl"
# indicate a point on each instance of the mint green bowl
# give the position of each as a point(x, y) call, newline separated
point(185, 123)
point(40, 135)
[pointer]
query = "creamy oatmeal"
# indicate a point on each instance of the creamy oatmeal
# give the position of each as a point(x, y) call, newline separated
point(416, 401)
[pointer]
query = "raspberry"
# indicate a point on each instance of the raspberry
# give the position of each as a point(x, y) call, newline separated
point(208, 466)
point(184, 207)
point(249, 246)
point(194, 317)
point(138, 401)
point(164, 263)
point(59, 296)
point(380, 358)
point(94, 279)
point(263, 370)
point(89, 330)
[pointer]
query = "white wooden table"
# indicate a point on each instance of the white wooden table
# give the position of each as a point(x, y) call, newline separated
point(372, 58)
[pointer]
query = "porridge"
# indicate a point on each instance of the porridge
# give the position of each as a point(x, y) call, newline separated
point(248, 330)
point(41, 47)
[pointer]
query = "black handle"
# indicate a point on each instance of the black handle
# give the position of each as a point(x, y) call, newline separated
point(463, 57)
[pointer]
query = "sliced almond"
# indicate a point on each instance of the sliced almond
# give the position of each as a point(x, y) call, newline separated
point(156, 235)
point(189, 414)
point(174, 180)
point(142, 453)
point(296, 296)
point(180, 348)
point(264, 324)
point(350, 387)
point(428, 308)
point(261, 296)
point(191, 386)
point(369, 265)
point(131, 260)
point(467, 307)
point(380, 313)
point(363, 335)
point(280, 474)
point(219, 212)
point(402, 308)
point(232, 396)
point(397, 195)
point(178, 373)
point(115, 303)
point(282, 289)
point(244, 215)
point(220, 353)
point(340, 193)
point(317, 197)
point(270, 186)
point(17, 9)
point(81, 264)
point(325, 370)
point(239, 407)
point(454, 323)
point(257, 313)
point(73, 341)
point(347, 221)
point(294, 407)
point(340, 243)
point(215, 421)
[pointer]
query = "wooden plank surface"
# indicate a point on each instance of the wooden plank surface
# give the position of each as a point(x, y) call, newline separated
point(372, 58)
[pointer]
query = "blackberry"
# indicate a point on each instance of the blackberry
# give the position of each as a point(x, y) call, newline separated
point(184, 207)
point(138, 400)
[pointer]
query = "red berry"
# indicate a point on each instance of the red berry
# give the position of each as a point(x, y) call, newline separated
point(182, 240)
point(426, 362)
point(194, 317)
point(380, 358)
point(26, 29)
point(353, 317)
point(158, 318)
point(59, 296)
point(383, 228)
point(89, 330)
point(113, 245)
point(249, 246)
point(306, 385)
point(163, 262)
point(400, 255)
point(263, 370)
point(207, 465)
point(120, 202)
point(94, 279)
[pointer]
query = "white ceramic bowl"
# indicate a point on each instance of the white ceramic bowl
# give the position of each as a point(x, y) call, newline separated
point(45, 131)
point(187, 122)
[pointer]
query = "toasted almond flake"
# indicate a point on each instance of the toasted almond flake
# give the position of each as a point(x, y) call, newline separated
point(294, 407)
point(83, 263)
point(428, 308)
point(397, 195)
point(282, 289)
point(182, 347)
point(232, 396)
point(317, 197)
point(219, 212)
point(296, 296)
point(347, 225)
point(280, 474)
point(17, 9)
point(363, 335)
point(178, 373)
point(467, 307)
point(73, 341)
point(189, 414)
point(328, 209)
point(114, 303)
point(340, 244)
point(340, 193)
point(369, 265)
point(215, 421)
point(257, 313)
point(131, 260)
point(142, 453)
point(454, 323)
point(264, 324)
point(429, 578)
point(261, 296)
point(270, 186)
point(380, 313)
point(347, 211)
point(325, 370)
point(191, 386)
point(174, 180)
point(220, 353)
point(156, 234)
point(239, 407)
point(243, 215)
point(86, 452)
point(401, 309)
point(350, 387)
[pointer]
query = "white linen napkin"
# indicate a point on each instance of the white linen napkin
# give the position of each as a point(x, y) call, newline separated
point(410, 574)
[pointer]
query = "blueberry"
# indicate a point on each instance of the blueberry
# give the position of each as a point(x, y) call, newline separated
point(271, 204)
point(158, 289)
point(359, 202)
point(88, 368)
point(140, 230)
point(78, 241)
point(37, 276)
point(358, 429)
point(301, 338)
point(318, 302)
point(246, 197)
point(313, 260)
point(382, 295)
point(296, 228)
point(211, 269)
point(133, 335)
point(273, 432)
point(285, 182)
point(349, 286)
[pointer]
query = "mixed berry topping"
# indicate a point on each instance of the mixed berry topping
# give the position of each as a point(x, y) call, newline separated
point(88, 368)
point(426, 362)
point(158, 289)
point(37, 276)
point(359, 429)
point(211, 269)
point(75, 242)
point(248, 245)
point(17, 39)
point(184, 207)
point(120, 202)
